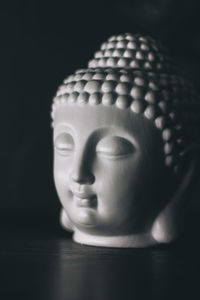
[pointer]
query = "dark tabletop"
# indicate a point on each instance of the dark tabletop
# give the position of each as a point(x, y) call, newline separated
point(38, 260)
point(42, 42)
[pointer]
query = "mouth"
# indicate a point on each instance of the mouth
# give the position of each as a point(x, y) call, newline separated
point(85, 200)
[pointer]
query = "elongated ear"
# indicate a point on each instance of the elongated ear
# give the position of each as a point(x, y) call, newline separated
point(65, 222)
point(168, 225)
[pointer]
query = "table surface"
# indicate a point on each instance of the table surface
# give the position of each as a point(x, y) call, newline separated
point(38, 260)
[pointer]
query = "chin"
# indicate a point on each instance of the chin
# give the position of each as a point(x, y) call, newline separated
point(85, 218)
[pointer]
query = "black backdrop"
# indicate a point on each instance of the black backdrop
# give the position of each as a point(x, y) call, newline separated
point(44, 41)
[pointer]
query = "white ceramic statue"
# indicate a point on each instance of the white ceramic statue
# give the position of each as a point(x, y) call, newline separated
point(125, 146)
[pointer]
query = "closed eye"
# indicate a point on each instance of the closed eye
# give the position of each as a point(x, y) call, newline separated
point(114, 147)
point(64, 144)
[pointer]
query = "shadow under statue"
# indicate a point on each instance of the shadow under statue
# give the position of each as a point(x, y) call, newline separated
point(126, 146)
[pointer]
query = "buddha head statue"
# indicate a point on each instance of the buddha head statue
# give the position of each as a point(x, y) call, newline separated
point(125, 146)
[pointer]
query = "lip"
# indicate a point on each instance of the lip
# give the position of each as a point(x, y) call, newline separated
point(85, 200)
point(82, 195)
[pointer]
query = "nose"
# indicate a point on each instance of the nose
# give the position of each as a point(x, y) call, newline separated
point(81, 170)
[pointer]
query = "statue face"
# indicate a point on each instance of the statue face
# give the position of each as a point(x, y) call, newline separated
point(109, 169)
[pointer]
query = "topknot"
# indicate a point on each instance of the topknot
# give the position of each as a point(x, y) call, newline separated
point(133, 71)
point(134, 52)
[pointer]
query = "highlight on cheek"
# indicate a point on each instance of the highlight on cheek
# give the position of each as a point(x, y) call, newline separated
point(127, 129)
point(64, 144)
point(114, 147)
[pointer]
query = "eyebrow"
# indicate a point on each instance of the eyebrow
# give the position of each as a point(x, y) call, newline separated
point(97, 134)
point(101, 133)
point(61, 128)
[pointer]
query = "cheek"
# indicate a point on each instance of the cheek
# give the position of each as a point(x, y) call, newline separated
point(114, 180)
point(124, 185)
point(61, 174)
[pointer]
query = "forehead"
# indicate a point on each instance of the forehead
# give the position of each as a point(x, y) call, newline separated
point(85, 120)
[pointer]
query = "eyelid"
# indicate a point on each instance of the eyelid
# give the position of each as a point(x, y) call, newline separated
point(114, 146)
point(64, 143)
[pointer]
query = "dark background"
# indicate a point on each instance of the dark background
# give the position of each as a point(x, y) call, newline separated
point(41, 43)
point(44, 41)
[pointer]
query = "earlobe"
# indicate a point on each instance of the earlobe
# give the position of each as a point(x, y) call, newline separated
point(168, 225)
